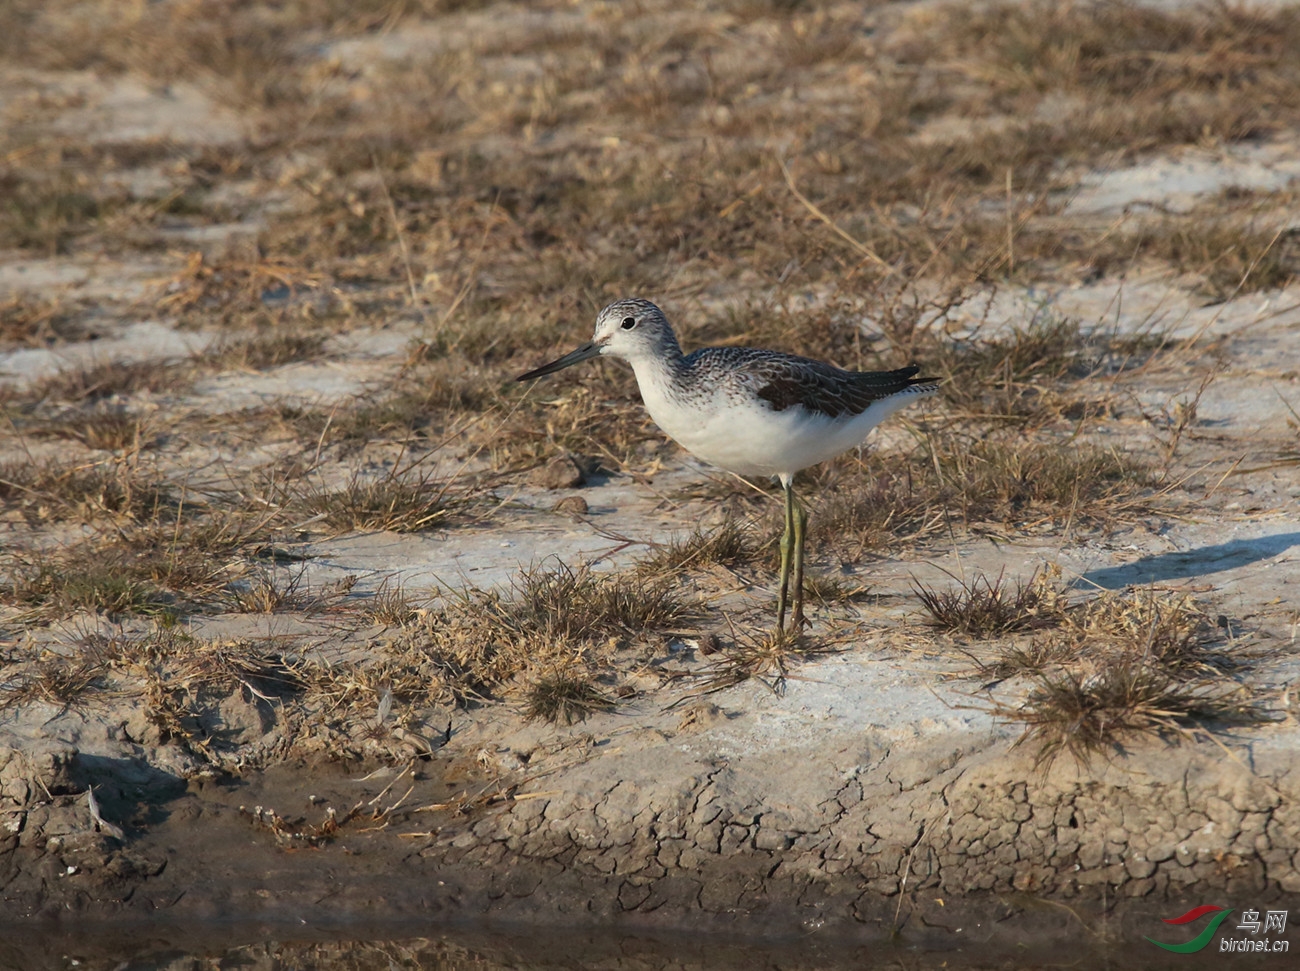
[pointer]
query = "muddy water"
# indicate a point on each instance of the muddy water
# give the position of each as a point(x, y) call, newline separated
point(487, 948)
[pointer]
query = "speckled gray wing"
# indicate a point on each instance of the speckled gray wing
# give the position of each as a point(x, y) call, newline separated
point(784, 380)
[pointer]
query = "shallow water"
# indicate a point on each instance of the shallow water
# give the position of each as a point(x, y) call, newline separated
point(163, 947)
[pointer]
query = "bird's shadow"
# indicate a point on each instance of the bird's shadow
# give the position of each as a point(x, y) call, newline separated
point(1180, 564)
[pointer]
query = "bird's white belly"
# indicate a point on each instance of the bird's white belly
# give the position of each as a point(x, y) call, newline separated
point(751, 439)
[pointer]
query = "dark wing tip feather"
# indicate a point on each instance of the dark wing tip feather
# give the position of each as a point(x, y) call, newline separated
point(910, 371)
point(830, 391)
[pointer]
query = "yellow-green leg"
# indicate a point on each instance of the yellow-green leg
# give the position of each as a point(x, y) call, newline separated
point(787, 548)
point(800, 528)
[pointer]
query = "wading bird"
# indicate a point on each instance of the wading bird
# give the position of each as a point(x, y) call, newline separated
point(748, 411)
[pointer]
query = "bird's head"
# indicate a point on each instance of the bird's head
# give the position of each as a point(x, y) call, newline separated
point(629, 329)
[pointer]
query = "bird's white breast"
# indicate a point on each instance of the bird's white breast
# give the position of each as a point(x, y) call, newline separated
point(742, 433)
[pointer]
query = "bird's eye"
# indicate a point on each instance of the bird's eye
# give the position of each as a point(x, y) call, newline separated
point(629, 323)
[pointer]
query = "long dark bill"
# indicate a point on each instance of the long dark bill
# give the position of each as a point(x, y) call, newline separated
point(587, 350)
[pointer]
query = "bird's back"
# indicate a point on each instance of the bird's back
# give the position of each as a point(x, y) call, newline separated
point(785, 381)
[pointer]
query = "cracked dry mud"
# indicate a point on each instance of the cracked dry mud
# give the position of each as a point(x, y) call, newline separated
point(780, 808)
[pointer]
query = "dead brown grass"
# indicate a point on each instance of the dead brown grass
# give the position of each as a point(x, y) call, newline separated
point(110, 379)
point(577, 603)
point(731, 543)
point(185, 685)
point(1121, 666)
point(985, 608)
point(103, 428)
point(29, 321)
point(1025, 374)
point(767, 658)
point(951, 477)
point(177, 560)
point(1119, 49)
point(51, 490)
point(1087, 715)
point(108, 581)
point(55, 678)
point(246, 49)
point(391, 605)
point(267, 590)
point(235, 290)
point(554, 618)
point(830, 588)
point(401, 503)
point(44, 212)
point(391, 192)
point(1171, 631)
point(1226, 253)
point(459, 192)
point(268, 349)
point(423, 402)
point(564, 697)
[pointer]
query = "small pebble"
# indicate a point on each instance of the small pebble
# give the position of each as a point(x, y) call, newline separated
point(576, 505)
point(561, 472)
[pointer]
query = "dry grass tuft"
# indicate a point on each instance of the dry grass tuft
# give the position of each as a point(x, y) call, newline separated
point(993, 479)
point(269, 591)
point(1036, 373)
point(161, 566)
point(378, 694)
point(116, 488)
point(564, 696)
point(568, 602)
point(111, 379)
point(1168, 630)
point(419, 405)
point(262, 351)
point(766, 658)
point(395, 502)
point(28, 321)
point(391, 606)
point(986, 608)
point(1124, 665)
point(1014, 375)
point(45, 212)
point(1087, 714)
point(1227, 254)
point(185, 687)
point(874, 507)
point(67, 581)
point(829, 588)
point(190, 664)
point(54, 678)
point(958, 477)
point(728, 544)
point(233, 287)
point(557, 617)
point(1030, 656)
point(107, 429)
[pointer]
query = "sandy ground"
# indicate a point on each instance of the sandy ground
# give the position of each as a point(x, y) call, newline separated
point(883, 719)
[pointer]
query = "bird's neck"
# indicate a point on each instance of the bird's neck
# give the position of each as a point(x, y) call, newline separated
point(661, 379)
point(660, 367)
